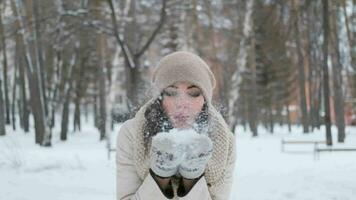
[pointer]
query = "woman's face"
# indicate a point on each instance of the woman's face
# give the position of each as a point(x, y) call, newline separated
point(182, 102)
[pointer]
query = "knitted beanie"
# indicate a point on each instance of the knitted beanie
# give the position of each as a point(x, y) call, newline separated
point(183, 66)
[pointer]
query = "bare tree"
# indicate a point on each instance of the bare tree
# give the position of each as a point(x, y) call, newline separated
point(326, 72)
point(132, 55)
point(2, 116)
point(301, 76)
point(4, 54)
point(68, 89)
point(37, 108)
point(337, 78)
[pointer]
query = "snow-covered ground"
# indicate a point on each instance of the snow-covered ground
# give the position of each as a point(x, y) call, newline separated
point(264, 172)
point(79, 169)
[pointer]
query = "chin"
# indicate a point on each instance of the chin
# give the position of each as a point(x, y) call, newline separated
point(182, 126)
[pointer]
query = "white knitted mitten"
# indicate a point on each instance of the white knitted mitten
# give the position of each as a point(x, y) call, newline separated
point(165, 155)
point(198, 152)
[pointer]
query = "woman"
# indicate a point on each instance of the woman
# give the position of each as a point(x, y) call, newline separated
point(150, 166)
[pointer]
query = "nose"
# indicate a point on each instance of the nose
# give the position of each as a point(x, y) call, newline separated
point(182, 103)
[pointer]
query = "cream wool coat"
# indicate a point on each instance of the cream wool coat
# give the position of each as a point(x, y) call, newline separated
point(134, 181)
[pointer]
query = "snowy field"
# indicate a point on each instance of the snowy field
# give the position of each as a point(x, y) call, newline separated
point(264, 172)
point(79, 169)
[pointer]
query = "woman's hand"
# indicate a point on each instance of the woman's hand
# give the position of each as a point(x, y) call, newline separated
point(198, 152)
point(165, 155)
point(169, 154)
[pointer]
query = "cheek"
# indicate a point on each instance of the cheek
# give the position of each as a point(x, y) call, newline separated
point(198, 105)
point(168, 105)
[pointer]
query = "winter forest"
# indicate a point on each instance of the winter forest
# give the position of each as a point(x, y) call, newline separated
point(71, 72)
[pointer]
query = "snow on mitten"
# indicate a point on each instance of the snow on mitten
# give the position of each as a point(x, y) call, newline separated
point(198, 153)
point(165, 154)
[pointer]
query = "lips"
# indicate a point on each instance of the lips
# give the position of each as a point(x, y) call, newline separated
point(181, 117)
point(181, 120)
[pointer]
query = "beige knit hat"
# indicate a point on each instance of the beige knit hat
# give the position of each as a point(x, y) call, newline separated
point(183, 66)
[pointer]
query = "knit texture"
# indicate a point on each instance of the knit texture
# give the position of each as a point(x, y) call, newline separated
point(218, 132)
point(183, 66)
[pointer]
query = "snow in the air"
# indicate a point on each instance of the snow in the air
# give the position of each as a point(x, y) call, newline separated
point(180, 137)
point(79, 169)
point(182, 146)
point(186, 140)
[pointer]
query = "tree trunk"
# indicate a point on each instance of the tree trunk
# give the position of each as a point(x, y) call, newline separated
point(311, 70)
point(102, 103)
point(350, 32)
point(270, 118)
point(68, 88)
point(14, 100)
point(301, 76)
point(288, 116)
point(318, 107)
point(65, 117)
point(4, 50)
point(326, 72)
point(25, 113)
point(42, 136)
point(253, 117)
point(132, 59)
point(337, 78)
point(100, 49)
point(2, 116)
point(39, 54)
point(79, 90)
point(76, 119)
point(132, 82)
point(58, 65)
point(95, 106)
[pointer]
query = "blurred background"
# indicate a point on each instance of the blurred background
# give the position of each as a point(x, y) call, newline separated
point(73, 71)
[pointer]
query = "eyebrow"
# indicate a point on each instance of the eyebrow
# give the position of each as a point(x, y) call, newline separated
point(192, 86)
point(173, 86)
point(189, 87)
